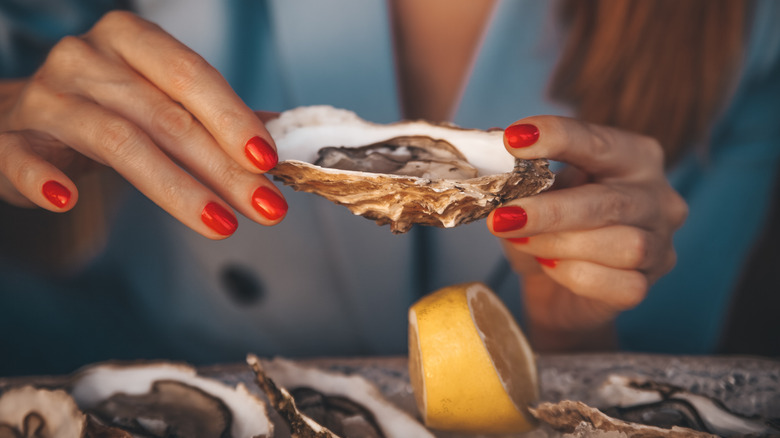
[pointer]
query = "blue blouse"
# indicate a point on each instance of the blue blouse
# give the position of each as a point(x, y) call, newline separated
point(326, 283)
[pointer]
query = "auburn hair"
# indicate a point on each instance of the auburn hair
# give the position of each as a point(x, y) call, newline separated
point(663, 68)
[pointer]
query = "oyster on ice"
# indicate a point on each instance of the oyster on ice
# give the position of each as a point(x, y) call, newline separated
point(405, 173)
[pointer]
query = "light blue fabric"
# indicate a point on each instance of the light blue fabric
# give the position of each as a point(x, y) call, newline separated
point(339, 285)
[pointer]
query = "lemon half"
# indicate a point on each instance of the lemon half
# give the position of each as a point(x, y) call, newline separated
point(471, 367)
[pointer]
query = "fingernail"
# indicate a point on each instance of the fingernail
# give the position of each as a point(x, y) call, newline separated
point(268, 203)
point(518, 239)
point(521, 136)
point(261, 154)
point(550, 263)
point(56, 193)
point(219, 219)
point(509, 218)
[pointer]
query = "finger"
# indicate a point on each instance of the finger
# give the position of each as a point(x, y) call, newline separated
point(188, 79)
point(33, 179)
point(266, 116)
point(579, 208)
point(181, 137)
point(120, 144)
point(620, 247)
point(621, 289)
point(597, 150)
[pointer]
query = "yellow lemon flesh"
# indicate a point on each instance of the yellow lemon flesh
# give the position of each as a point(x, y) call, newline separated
point(470, 366)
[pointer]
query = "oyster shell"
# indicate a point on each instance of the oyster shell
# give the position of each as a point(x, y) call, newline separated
point(167, 400)
point(574, 417)
point(648, 401)
point(362, 409)
point(405, 173)
point(41, 413)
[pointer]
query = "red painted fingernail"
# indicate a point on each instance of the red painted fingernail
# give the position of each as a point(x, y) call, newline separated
point(509, 218)
point(219, 219)
point(518, 239)
point(521, 136)
point(56, 193)
point(261, 154)
point(268, 203)
point(550, 263)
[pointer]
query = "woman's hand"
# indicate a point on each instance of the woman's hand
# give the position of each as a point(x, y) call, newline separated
point(129, 96)
point(592, 246)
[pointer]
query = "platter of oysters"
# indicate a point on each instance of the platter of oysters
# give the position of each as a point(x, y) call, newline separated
point(401, 174)
point(598, 395)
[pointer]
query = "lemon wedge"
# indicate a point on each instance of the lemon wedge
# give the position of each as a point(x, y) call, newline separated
point(471, 367)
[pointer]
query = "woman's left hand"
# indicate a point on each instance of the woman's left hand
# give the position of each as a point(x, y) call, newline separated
point(591, 246)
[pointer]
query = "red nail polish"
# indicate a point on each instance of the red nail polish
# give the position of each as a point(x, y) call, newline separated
point(261, 154)
point(550, 263)
point(56, 193)
point(268, 203)
point(521, 136)
point(509, 218)
point(518, 239)
point(219, 219)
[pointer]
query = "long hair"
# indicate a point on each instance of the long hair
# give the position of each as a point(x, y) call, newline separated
point(658, 67)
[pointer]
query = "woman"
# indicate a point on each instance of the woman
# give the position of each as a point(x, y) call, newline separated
point(128, 96)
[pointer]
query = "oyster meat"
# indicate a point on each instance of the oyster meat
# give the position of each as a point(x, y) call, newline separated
point(405, 173)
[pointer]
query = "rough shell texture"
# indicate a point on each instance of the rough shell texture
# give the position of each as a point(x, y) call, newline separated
point(577, 417)
point(41, 413)
point(401, 201)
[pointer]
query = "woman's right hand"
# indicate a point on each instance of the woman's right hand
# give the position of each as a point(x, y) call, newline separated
point(129, 96)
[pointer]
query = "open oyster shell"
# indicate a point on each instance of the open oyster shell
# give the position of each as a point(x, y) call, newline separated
point(317, 403)
point(168, 400)
point(448, 175)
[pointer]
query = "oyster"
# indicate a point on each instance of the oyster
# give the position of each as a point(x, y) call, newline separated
point(574, 417)
point(30, 412)
point(317, 403)
point(649, 402)
point(405, 173)
point(168, 400)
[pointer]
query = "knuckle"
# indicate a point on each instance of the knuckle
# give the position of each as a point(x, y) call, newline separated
point(601, 140)
point(114, 20)
point(117, 140)
point(636, 249)
point(69, 54)
point(39, 104)
point(654, 151)
point(229, 175)
point(185, 70)
point(635, 290)
point(172, 120)
point(23, 172)
point(8, 142)
point(679, 210)
point(555, 127)
point(616, 206)
point(172, 194)
point(226, 120)
point(553, 217)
